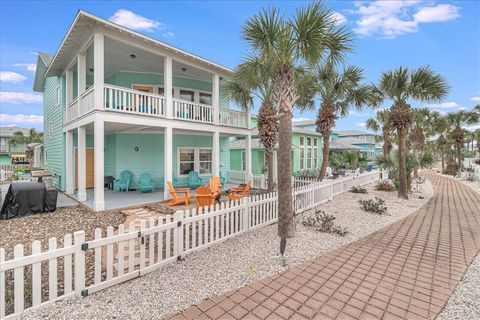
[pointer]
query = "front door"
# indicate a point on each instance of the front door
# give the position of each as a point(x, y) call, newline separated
point(89, 157)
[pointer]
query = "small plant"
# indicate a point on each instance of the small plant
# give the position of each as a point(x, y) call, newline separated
point(358, 189)
point(376, 205)
point(323, 222)
point(384, 185)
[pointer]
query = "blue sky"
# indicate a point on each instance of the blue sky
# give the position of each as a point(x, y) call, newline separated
point(388, 34)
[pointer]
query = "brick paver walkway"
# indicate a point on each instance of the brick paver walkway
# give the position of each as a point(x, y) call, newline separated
point(407, 270)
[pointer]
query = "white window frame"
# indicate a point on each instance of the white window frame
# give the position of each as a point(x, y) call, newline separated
point(196, 160)
point(302, 158)
point(58, 97)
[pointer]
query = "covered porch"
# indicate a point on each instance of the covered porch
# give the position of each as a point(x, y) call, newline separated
point(98, 154)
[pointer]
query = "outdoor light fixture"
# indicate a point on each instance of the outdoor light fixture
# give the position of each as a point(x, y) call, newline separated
point(184, 69)
point(136, 149)
point(90, 69)
point(133, 56)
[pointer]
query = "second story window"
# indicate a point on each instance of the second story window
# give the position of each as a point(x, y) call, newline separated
point(57, 98)
point(186, 95)
point(205, 98)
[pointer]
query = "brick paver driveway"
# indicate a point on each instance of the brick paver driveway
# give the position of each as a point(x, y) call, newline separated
point(407, 270)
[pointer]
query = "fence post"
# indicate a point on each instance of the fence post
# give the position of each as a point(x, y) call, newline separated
point(178, 235)
point(245, 214)
point(79, 271)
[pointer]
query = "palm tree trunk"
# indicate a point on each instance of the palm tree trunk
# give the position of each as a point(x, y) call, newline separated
point(402, 170)
point(443, 159)
point(269, 156)
point(459, 160)
point(285, 205)
point(326, 152)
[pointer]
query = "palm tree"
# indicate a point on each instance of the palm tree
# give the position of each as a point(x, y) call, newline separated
point(401, 85)
point(252, 78)
point(457, 120)
point(380, 122)
point(290, 46)
point(339, 92)
point(477, 137)
point(19, 138)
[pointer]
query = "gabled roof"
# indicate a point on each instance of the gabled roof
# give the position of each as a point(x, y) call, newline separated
point(82, 26)
point(353, 133)
point(303, 122)
point(43, 61)
point(353, 140)
point(340, 145)
point(10, 130)
point(241, 144)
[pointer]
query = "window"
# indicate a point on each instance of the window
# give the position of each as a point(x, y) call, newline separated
point(244, 161)
point(309, 142)
point(187, 161)
point(302, 142)
point(194, 159)
point(205, 98)
point(315, 142)
point(302, 158)
point(315, 153)
point(3, 144)
point(205, 161)
point(161, 91)
point(309, 158)
point(186, 95)
point(57, 102)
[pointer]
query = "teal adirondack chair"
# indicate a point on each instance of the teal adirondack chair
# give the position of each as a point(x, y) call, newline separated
point(222, 179)
point(194, 180)
point(146, 183)
point(124, 182)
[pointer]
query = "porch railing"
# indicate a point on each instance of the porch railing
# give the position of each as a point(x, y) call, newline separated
point(81, 105)
point(133, 101)
point(233, 118)
point(192, 111)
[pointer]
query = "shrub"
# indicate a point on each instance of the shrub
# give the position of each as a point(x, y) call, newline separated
point(376, 205)
point(451, 169)
point(358, 189)
point(384, 185)
point(323, 222)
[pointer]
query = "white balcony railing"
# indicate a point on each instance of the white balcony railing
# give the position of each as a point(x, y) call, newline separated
point(133, 101)
point(233, 118)
point(192, 111)
point(120, 99)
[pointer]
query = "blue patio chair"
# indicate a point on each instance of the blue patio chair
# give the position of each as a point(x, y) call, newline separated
point(222, 179)
point(194, 180)
point(146, 183)
point(124, 182)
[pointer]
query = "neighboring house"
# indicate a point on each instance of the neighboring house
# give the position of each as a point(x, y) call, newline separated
point(12, 153)
point(363, 139)
point(306, 152)
point(117, 100)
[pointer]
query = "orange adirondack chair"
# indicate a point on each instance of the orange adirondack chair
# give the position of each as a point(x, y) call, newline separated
point(240, 192)
point(204, 196)
point(176, 199)
point(215, 185)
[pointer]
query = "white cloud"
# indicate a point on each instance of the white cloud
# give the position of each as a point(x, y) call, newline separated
point(475, 99)
point(134, 21)
point(21, 119)
point(361, 124)
point(393, 18)
point(357, 113)
point(28, 66)
point(168, 34)
point(444, 105)
point(11, 77)
point(20, 97)
point(438, 13)
point(339, 18)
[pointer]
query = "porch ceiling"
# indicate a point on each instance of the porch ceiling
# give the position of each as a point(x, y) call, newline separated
point(118, 58)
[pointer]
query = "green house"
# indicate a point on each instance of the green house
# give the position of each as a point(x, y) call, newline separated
point(117, 100)
point(10, 153)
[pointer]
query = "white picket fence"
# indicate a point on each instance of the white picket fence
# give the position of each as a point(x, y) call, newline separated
point(121, 255)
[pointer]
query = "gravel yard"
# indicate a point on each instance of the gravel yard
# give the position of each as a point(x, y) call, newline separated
point(464, 304)
point(229, 265)
point(24, 230)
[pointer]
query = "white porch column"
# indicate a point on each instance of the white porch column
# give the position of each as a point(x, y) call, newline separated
point(248, 157)
point(168, 161)
point(98, 132)
point(216, 97)
point(68, 86)
point(216, 154)
point(69, 173)
point(81, 164)
point(168, 85)
point(98, 69)
point(81, 74)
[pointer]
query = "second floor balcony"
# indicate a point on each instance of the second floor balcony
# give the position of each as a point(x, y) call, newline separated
point(114, 76)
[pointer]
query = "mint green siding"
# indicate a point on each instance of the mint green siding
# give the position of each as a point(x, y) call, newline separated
point(54, 139)
point(5, 159)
